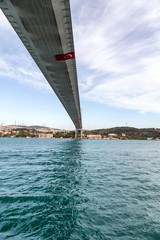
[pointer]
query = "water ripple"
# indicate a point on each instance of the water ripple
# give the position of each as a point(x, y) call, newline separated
point(73, 189)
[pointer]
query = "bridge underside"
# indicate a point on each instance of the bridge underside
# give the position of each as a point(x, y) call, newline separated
point(45, 28)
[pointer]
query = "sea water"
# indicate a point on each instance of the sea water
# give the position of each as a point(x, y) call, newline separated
point(57, 189)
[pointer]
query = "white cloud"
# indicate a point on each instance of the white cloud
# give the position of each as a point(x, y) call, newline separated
point(15, 62)
point(119, 43)
point(140, 91)
point(21, 68)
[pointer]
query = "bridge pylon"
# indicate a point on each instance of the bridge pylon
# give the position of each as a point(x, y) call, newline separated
point(78, 133)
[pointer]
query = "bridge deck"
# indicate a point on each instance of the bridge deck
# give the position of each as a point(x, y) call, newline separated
point(45, 28)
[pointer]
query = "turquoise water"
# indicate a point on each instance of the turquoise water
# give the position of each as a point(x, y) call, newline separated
point(79, 189)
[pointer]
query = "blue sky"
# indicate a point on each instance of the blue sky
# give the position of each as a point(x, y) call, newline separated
point(117, 45)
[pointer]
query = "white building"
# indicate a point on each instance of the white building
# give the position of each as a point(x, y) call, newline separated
point(45, 135)
point(112, 134)
point(94, 136)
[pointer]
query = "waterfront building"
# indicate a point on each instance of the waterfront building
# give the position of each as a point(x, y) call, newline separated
point(94, 136)
point(45, 135)
point(112, 134)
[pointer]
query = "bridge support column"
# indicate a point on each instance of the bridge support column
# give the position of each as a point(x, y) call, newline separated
point(76, 133)
point(81, 133)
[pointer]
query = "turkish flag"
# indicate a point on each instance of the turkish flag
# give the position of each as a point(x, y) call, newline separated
point(66, 56)
point(78, 121)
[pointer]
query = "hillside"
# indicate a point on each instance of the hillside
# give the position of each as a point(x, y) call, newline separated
point(128, 132)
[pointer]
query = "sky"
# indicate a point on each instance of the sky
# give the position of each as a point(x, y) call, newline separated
point(117, 47)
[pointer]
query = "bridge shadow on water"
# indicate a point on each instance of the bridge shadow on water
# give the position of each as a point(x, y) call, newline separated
point(64, 183)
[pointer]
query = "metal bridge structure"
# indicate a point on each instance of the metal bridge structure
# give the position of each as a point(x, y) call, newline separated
point(45, 28)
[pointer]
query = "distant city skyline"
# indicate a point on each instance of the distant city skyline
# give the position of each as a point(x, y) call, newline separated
point(118, 66)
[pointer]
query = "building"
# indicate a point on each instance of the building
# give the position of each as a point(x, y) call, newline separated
point(123, 135)
point(112, 134)
point(45, 135)
point(94, 136)
point(149, 138)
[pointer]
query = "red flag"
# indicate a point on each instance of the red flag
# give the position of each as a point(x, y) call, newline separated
point(66, 56)
point(78, 121)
